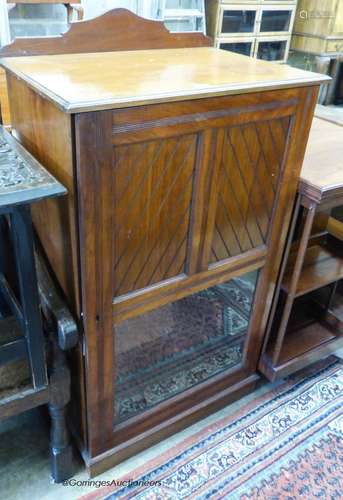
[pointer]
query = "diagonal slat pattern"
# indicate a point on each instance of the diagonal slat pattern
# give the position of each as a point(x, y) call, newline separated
point(152, 199)
point(251, 178)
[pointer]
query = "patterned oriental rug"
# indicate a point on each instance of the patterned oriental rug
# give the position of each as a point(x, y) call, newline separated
point(286, 444)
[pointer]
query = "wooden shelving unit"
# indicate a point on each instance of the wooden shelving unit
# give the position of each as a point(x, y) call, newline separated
point(303, 341)
point(322, 265)
point(307, 325)
point(306, 322)
point(260, 28)
point(309, 337)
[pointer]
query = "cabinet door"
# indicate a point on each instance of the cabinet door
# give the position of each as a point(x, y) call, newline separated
point(194, 185)
point(183, 215)
point(275, 19)
point(242, 46)
point(272, 49)
point(238, 20)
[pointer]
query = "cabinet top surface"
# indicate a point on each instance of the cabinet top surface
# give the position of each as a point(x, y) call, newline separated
point(322, 170)
point(87, 82)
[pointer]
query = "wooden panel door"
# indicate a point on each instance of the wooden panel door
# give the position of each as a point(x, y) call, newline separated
point(153, 187)
point(178, 201)
point(248, 184)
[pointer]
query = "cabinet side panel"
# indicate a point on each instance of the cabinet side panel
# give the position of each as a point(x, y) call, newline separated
point(46, 132)
point(5, 115)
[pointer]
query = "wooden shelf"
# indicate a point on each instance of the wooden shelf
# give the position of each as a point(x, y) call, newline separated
point(312, 334)
point(24, 399)
point(306, 339)
point(323, 265)
point(301, 348)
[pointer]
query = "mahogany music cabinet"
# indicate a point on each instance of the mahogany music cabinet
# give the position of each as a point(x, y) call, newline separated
point(181, 163)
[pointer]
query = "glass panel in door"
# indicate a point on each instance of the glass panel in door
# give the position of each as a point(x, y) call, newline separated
point(178, 346)
point(272, 51)
point(238, 21)
point(275, 20)
point(243, 48)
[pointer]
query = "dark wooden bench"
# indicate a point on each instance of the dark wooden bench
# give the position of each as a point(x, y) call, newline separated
point(33, 369)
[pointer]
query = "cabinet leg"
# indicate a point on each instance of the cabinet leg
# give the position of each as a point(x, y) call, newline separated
point(62, 463)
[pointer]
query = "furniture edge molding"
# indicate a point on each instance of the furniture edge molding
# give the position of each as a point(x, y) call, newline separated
point(200, 117)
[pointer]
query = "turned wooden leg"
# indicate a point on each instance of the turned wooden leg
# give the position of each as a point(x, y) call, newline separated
point(62, 465)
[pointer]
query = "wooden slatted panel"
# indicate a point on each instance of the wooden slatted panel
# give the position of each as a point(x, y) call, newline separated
point(251, 178)
point(152, 199)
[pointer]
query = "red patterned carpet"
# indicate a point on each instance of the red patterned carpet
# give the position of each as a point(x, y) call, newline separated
point(316, 473)
point(284, 445)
